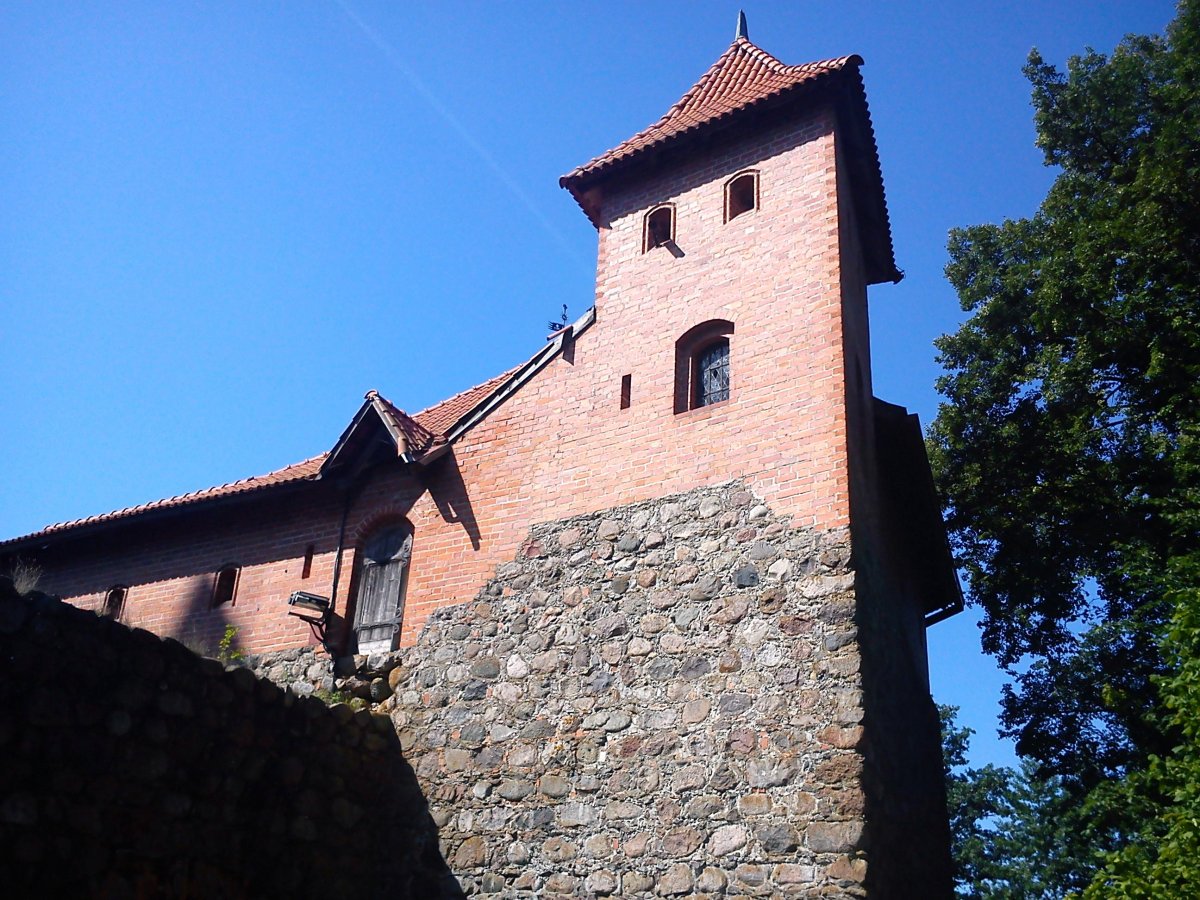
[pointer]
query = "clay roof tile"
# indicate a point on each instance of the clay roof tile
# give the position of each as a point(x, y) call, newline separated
point(744, 75)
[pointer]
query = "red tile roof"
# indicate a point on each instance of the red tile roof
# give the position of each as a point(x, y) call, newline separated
point(295, 472)
point(416, 436)
point(439, 419)
point(743, 76)
point(428, 427)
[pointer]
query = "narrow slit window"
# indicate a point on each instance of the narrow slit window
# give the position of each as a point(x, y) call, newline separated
point(741, 195)
point(308, 558)
point(114, 602)
point(225, 586)
point(660, 227)
point(626, 390)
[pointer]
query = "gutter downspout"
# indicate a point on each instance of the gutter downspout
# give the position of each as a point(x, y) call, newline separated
point(352, 494)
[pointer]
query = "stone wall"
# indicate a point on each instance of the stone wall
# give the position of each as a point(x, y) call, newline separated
point(658, 700)
point(662, 699)
point(133, 768)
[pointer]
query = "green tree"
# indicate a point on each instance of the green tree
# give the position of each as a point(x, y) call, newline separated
point(1015, 835)
point(1068, 447)
point(1162, 859)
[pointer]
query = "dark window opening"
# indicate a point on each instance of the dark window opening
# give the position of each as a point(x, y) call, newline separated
point(626, 390)
point(225, 586)
point(383, 577)
point(741, 195)
point(711, 377)
point(660, 227)
point(702, 365)
point(114, 602)
point(308, 558)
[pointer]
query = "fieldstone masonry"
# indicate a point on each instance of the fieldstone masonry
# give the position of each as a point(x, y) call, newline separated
point(657, 700)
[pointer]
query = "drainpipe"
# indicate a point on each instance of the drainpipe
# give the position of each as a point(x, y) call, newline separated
point(352, 492)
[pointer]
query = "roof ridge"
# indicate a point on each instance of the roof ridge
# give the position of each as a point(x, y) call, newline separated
point(712, 71)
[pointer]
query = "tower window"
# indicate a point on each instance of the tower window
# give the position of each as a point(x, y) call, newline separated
point(660, 228)
point(114, 602)
point(225, 586)
point(702, 365)
point(741, 195)
point(626, 391)
point(712, 373)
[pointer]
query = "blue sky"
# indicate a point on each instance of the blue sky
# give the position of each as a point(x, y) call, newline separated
point(224, 222)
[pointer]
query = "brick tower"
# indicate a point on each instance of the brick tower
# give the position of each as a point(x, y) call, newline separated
point(737, 238)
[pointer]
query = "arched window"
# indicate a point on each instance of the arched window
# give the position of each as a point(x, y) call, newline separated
point(114, 602)
point(225, 586)
point(741, 195)
point(659, 228)
point(382, 579)
point(712, 373)
point(702, 365)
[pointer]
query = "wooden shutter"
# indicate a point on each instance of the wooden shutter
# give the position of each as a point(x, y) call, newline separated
point(380, 603)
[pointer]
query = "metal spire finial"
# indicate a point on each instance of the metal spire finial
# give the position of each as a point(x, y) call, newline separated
point(742, 30)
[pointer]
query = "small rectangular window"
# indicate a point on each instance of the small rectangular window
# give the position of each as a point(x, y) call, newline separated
point(741, 195)
point(659, 228)
point(626, 390)
point(308, 558)
point(114, 602)
point(225, 586)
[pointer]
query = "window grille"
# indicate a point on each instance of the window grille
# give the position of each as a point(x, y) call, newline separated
point(712, 374)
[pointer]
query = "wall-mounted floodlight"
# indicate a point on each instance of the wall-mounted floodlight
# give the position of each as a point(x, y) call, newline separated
point(312, 608)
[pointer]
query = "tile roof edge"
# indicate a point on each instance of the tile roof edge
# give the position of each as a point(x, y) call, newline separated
point(518, 376)
point(240, 487)
point(615, 157)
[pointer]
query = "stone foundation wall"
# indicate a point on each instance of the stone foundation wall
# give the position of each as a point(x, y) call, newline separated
point(659, 700)
point(134, 768)
point(663, 699)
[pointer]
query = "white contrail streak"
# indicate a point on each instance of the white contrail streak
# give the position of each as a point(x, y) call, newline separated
point(394, 57)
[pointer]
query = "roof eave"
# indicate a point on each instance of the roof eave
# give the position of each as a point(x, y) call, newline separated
point(87, 528)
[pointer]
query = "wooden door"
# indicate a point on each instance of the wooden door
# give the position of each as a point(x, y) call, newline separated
point(380, 605)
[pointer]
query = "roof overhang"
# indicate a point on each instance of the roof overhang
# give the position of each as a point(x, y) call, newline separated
point(913, 512)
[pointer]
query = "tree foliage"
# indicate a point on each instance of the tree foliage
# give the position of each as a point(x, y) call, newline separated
point(1162, 858)
point(1015, 835)
point(1068, 447)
